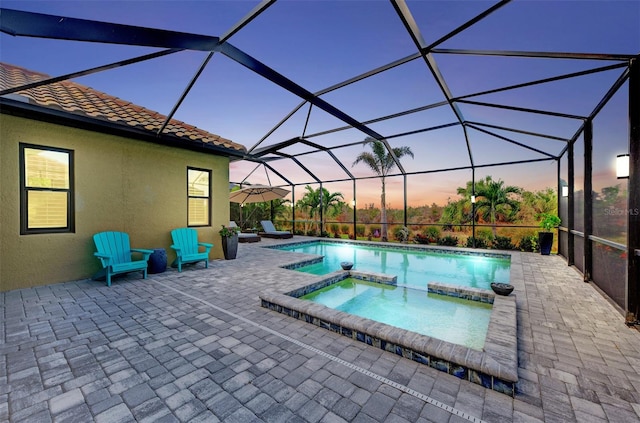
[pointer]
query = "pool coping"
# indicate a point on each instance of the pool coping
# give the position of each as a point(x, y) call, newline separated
point(504, 254)
point(495, 367)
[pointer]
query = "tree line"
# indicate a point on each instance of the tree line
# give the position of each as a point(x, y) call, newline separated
point(496, 204)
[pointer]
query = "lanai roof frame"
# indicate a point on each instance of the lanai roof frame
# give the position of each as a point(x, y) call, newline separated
point(37, 25)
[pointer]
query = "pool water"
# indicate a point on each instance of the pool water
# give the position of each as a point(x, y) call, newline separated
point(412, 267)
point(451, 319)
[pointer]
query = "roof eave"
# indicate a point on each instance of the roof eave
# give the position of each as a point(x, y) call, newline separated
point(51, 115)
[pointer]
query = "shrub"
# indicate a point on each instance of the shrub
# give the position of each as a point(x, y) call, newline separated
point(484, 233)
point(529, 243)
point(311, 232)
point(421, 239)
point(298, 232)
point(345, 229)
point(334, 228)
point(449, 241)
point(503, 243)
point(325, 234)
point(401, 233)
point(360, 230)
point(374, 231)
point(432, 233)
point(480, 242)
point(336, 235)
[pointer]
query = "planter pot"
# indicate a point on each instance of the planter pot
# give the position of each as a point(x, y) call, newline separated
point(157, 261)
point(230, 246)
point(502, 288)
point(346, 265)
point(545, 240)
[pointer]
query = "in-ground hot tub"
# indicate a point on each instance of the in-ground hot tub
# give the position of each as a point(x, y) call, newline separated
point(494, 366)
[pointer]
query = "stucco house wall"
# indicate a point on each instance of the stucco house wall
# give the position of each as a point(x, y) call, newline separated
point(121, 184)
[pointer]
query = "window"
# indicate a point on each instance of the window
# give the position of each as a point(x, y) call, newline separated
point(46, 190)
point(198, 196)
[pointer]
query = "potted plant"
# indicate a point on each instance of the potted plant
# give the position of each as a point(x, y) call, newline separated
point(548, 221)
point(229, 237)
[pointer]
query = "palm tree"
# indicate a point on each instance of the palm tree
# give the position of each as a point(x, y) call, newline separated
point(381, 162)
point(313, 198)
point(456, 214)
point(538, 202)
point(494, 199)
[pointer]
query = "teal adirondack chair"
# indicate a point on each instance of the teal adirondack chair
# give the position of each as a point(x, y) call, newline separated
point(115, 254)
point(185, 242)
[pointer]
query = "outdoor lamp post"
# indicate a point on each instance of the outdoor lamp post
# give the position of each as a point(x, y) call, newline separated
point(473, 220)
point(355, 218)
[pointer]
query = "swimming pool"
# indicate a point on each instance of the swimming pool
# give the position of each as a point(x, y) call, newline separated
point(451, 319)
point(412, 266)
point(494, 365)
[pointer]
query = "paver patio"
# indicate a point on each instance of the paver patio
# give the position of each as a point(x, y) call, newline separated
point(197, 346)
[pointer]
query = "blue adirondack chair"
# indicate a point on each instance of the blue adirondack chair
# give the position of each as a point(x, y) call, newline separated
point(185, 242)
point(115, 254)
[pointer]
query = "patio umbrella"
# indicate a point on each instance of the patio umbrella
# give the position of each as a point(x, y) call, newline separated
point(256, 194)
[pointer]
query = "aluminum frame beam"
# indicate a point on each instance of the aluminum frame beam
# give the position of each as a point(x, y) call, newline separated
point(544, 80)
point(30, 24)
point(414, 32)
point(633, 217)
point(537, 54)
point(524, 109)
point(519, 131)
point(265, 71)
point(233, 30)
point(89, 71)
point(519, 144)
point(424, 172)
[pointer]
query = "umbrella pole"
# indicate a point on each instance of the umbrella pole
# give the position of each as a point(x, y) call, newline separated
point(251, 214)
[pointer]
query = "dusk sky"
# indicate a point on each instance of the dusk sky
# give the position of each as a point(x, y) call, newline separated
point(317, 44)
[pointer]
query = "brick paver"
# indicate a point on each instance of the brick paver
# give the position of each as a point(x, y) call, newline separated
point(197, 346)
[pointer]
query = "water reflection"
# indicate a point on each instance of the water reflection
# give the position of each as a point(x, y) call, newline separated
point(480, 270)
